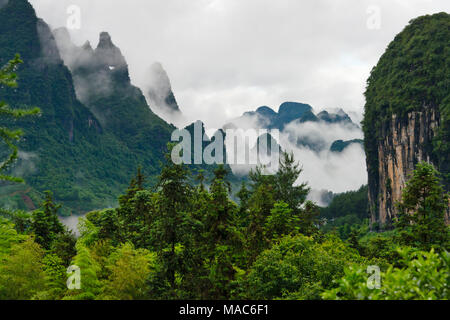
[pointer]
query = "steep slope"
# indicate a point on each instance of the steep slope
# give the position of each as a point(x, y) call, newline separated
point(407, 111)
point(159, 94)
point(84, 159)
point(121, 107)
point(103, 84)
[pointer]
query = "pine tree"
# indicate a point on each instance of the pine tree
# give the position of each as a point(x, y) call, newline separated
point(8, 78)
point(172, 223)
point(244, 196)
point(286, 189)
point(135, 213)
point(220, 235)
point(45, 224)
point(260, 205)
point(422, 209)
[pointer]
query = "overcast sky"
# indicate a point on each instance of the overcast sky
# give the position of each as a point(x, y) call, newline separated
point(225, 57)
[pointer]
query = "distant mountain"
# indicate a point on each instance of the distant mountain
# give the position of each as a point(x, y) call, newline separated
point(339, 117)
point(340, 145)
point(198, 128)
point(291, 111)
point(295, 115)
point(267, 118)
point(84, 151)
point(102, 82)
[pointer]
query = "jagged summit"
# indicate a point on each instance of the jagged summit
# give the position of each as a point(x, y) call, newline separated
point(293, 109)
point(72, 55)
point(107, 53)
point(266, 111)
point(267, 118)
point(339, 117)
point(87, 46)
point(105, 41)
point(158, 91)
point(106, 56)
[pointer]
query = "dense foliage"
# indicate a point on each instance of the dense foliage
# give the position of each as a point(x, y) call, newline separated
point(345, 212)
point(185, 241)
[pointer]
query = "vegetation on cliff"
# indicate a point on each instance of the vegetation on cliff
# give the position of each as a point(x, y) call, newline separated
point(412, 75)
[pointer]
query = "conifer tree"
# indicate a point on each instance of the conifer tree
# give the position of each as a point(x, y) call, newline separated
point(220, 235)
point(172, 223)
point(286, 189)
point(45, 224)
point(8, 78)
point(244, 196)
point(135, 213)
point(422, 209)
point(260, 205)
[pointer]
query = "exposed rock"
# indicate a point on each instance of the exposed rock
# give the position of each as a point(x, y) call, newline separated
point(406, 116)
point(407, 141)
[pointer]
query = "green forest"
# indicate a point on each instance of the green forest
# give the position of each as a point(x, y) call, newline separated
point(150, 229)
point(181, 240)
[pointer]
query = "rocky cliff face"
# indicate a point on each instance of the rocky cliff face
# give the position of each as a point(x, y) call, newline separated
point(407, 141)
point(407, 112)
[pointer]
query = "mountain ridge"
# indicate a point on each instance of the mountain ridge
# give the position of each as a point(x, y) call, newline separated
point(84, 159)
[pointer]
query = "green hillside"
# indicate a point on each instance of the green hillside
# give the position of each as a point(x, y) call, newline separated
point(68, 150)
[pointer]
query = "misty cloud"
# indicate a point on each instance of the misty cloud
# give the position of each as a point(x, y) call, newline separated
point(310, 142)
point(26, 164)
point(320, 133)
point(71, 223)
point(225, 56)
point(160, 97)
